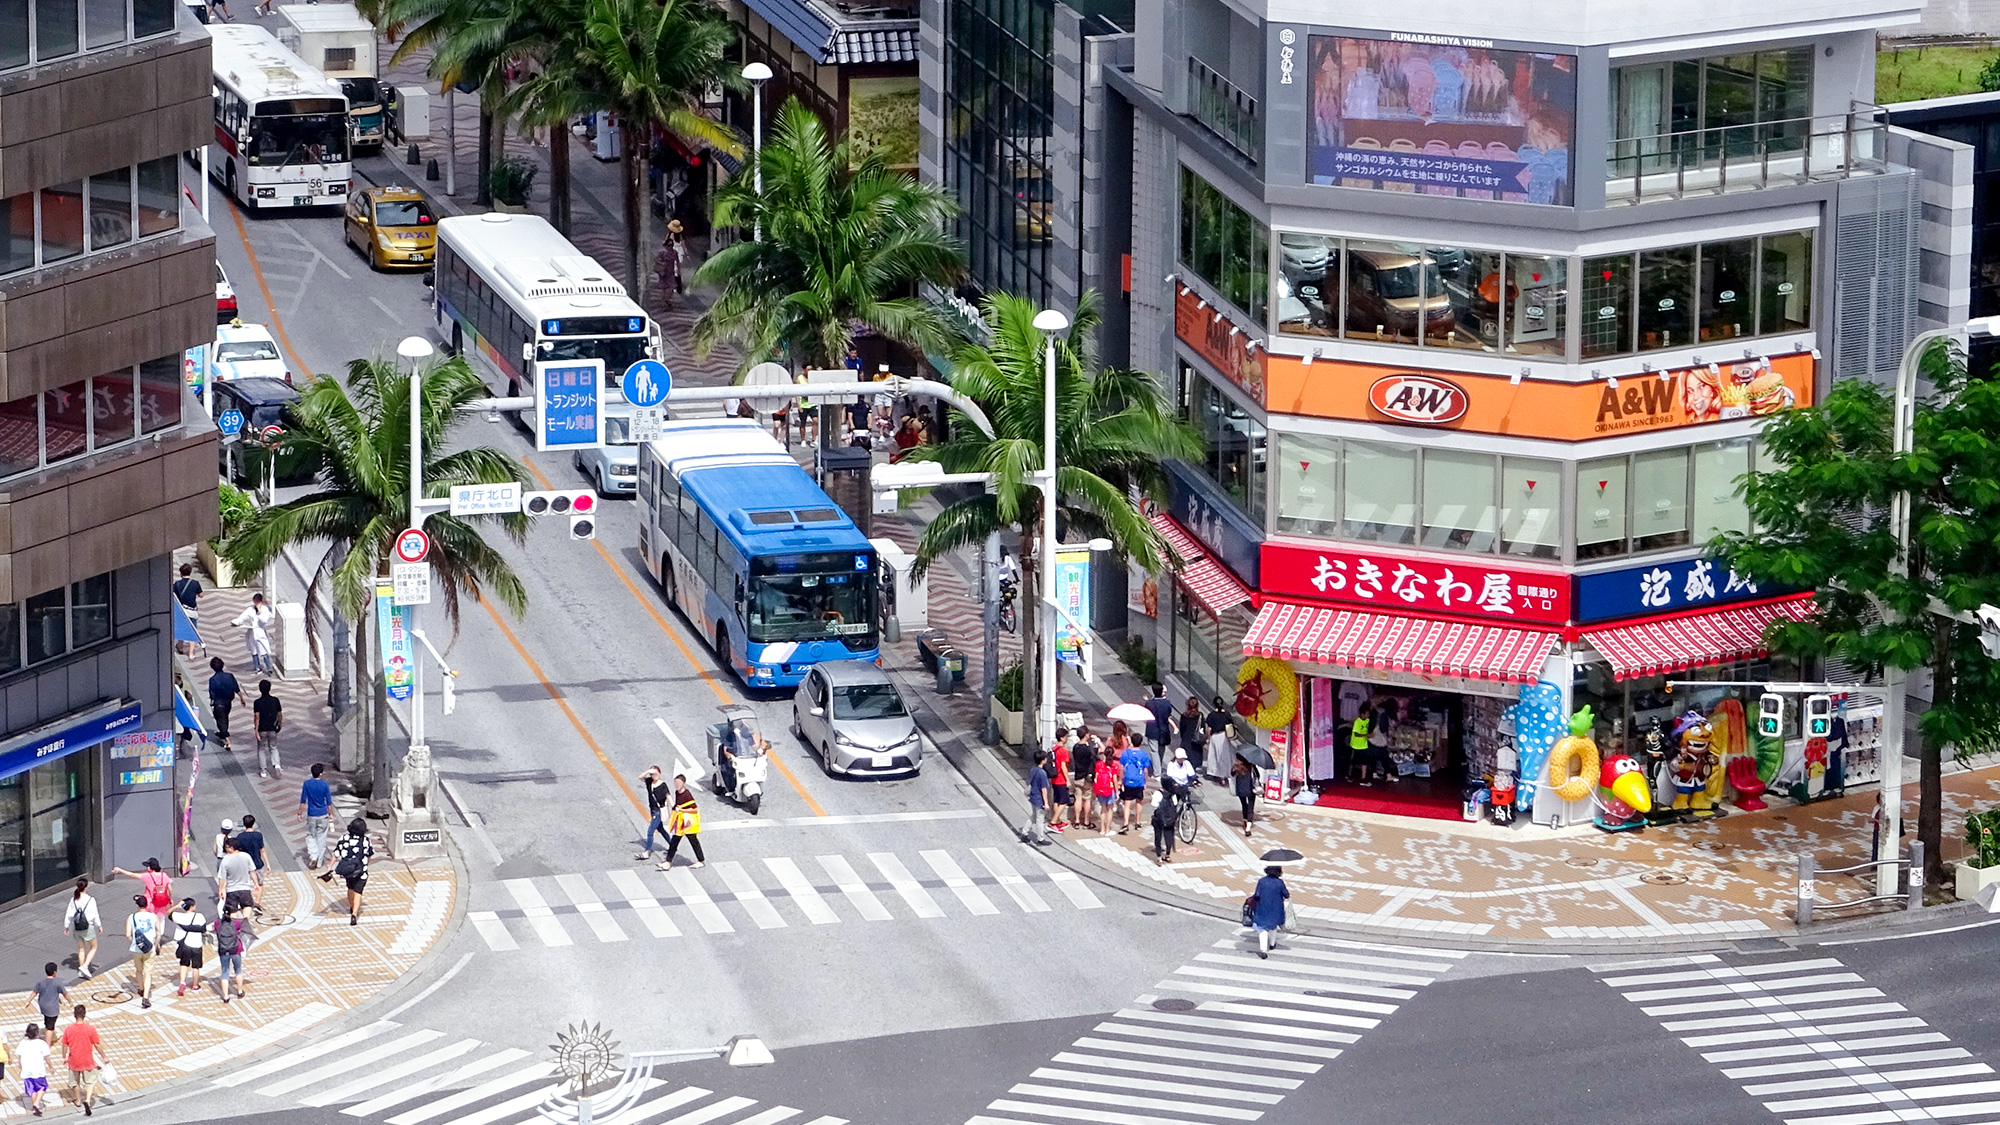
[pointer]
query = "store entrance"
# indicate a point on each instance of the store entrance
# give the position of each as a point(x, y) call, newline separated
point(1412, 756)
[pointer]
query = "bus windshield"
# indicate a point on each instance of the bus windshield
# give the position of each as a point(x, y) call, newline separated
point(361, 90)
point(803, 607)
point(617, 352)
point(319, 138)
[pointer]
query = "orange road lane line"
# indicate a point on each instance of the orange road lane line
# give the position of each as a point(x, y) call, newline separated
point(270, 306)
point(653, 611)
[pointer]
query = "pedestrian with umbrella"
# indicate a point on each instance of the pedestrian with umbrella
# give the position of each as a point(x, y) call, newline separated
point(1243, 778)
point(1266, 909)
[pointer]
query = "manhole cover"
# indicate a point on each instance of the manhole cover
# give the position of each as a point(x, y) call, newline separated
point(109, 997)
point(1582, 861)
point(1663, 878)
point(1173, 1004)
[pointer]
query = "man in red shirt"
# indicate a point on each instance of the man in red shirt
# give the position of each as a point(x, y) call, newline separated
point(83, 1052)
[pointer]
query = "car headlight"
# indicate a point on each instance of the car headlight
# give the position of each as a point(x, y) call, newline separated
point(845, 741)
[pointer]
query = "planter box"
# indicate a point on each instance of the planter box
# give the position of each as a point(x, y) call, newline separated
point(1972, 880)
point(1010, 723)
point(216, 565)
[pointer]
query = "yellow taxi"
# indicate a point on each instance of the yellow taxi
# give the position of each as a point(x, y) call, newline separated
point(392, 226)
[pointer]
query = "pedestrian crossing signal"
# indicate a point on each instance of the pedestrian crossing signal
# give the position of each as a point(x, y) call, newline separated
point(560, 502)
point(1819, 716)
point(1771, 715)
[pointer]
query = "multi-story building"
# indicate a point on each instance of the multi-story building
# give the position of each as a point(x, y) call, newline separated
point(1481, 309)
point(107, 276)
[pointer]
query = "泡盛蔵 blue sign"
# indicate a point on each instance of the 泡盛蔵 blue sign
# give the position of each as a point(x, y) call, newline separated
point(1653, 589)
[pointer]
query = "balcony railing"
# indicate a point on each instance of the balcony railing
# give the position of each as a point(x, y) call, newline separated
point(1228, 111)
point(1746, 157)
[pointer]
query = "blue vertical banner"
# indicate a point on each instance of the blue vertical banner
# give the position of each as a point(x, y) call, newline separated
point(397, 655)
point(1072, 593)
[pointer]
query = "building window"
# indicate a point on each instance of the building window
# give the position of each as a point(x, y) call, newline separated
point(55, 29)
point(1379, 501)
point(1235, 442)
point(1689, 293)
point(1719, 467)
point(1661, 499)
point(1600, 508)
point(103, 23)
point(1439, 499)
point(56, 622)
point(61, 222)
point(90, 414)
point(999, 106)
point(1784, 281)
point(13, 39)
point(1308, 484)
point(111, 209)
point(1530, 508)
point(1666, 298)
point(1223, 245)
point(60, 28)
point(161, 389)
point(1695, 112)
point(1460, 512)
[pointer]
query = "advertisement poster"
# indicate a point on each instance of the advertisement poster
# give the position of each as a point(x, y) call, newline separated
point(1073, 595)
point(1319, 738)
point(1441, 115)
point(194, 366)
point(395, 640)
point(882, 120)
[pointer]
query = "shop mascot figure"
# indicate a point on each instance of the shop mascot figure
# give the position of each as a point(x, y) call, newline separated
point(1623, 796)
point(1693, 768)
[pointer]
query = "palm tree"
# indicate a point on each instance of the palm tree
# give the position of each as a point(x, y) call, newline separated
point(1113, 429)
point(359, 435)
point(651, 60)
point(557, 91)
point(843, 243)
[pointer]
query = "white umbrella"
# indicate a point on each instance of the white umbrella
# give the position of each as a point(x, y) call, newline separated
point(1131, 713)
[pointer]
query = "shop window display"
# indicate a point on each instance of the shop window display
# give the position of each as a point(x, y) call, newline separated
point(1666, 298)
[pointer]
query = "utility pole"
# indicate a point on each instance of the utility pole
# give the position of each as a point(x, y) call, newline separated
point(989, 617)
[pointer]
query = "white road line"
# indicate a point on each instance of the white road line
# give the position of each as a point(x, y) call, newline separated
point(663, 1104)
point(1099, 1116)
point(1073, 887)
point(1234, 1058)
point(689, 764)
point(959, 883)
point(540, 918)
point(475, 1094)
point(644, 906)
point(700, 1116)
point(1244, 1027)
point(1176, 1035)
point(1154, 1066)
point(1819, 1063)
point(773, 1115)
point(737, 878)
point(1017, 888)
point(1244, 959)
point(842, 818)
point(914, 895)
point(1266, 1011)
point(1246, 977)
point(1746, 1003)
point(858, 895)
point(1153, 1085)
point(682, 880)
point(495, 1061)
point(1304, 940)
point(590, 907)
point(1237, 992)
point(347, 1063)
point(801, 891)
point(376, 1079)
point(828, 1120)
point(501, 1111)
point(299, 1056)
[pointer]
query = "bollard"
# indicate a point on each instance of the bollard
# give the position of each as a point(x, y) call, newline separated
point(892, 630)
point(431, 173)
point(1806, 890)
point(1916, 885)
point(944, 677)
point(414, 157)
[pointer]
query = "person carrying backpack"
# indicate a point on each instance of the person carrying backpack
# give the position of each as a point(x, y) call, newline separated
point(143, 931)
point(350, 862)
point(192, 929)
point(232, 937)
point(82, 922)
point(1166, 817)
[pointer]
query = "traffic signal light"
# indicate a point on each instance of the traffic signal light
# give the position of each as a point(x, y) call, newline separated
point(1819, 716)
point(561, 502)
point(1771, 715)
point(583, 527)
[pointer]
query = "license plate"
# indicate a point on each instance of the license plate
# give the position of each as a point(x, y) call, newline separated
point(301, 200)
point(884, 761)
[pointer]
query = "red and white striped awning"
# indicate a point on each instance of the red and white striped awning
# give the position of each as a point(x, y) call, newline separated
point(1207, 581)
point(1692, 641)
point(1397, 643)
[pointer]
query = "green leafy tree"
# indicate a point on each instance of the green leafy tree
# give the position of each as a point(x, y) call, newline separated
point(1822, 523)
point(558, 89)
point(359, 433)
point(845, 242)
point(1113, 429)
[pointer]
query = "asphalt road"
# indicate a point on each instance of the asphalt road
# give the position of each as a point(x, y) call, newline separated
point(907, 960)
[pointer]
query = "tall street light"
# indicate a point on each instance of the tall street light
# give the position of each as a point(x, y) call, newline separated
point(757, 74)
point(1052, 325)
point(416, 350)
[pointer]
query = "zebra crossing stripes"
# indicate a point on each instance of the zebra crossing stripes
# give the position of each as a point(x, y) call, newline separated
point(1813, 1042)
point(1225, 1037)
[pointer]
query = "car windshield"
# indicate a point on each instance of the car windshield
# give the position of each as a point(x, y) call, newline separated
point(314, 138)
point(617, 352)
point(403, 213)
point(868, 701)
point(618, 429)
point(236, 351)
point(804, 607)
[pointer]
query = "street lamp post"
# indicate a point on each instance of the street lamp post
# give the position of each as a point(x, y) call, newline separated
point(416, 349)
point(757, 74)
point(1052, 324)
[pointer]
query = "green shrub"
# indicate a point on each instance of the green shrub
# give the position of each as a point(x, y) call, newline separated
point(1141, 660)
point(1982, 832)
point(1007, 689)
point(510, 180)
point(236, 508)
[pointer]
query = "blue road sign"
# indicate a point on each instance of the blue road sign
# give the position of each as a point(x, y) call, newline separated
point(568, 410)
point(646, 383)
point(230, 422)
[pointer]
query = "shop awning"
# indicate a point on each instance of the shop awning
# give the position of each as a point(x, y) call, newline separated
point(1397, 643)
point(1692, 640)
point(1208, 582)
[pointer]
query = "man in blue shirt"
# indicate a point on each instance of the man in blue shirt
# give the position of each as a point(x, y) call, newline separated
point(316, 798)
point(1160, 727)
point(223, 691)
point(1036, 830)
point(1138, 767)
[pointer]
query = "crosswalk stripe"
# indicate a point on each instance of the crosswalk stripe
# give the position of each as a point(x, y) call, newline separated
point(1779, 1019)
point(492, 929)
point(828, 1121)
point(914, 895)
point(697, 1117)
point(1244, 959)
point(1746, 1003)
point(1357, 955)
point(1307, 941)
point(476, 1067)
point(475, 1094)
point(1154, 1066)
point(501, 1111)
point(1242, 976)
point(376, 1079)
point(682, 880)
point(536, 909)
point(858, 895)
point(1017, 888)
point(1238, 992)
point(1073, 887)
point(801, 891)
point(665, 1103)
point(1153, 1085)
point(590, 907)
point(737, 878)
point(1258, 1027)
point(1134, 1101)
point(774, 1115)
point(960, 884)
point(347, 1063)
point(1268, 1011)
point(1097, 1116)
point(1192, 1054)
point(299, 1056)
point(644, 906)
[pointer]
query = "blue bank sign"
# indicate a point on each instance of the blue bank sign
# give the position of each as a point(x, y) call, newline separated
point(65, 737)
point(1658, 588)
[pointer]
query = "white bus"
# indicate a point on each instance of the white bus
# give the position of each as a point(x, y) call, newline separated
point(516, 292)
point(280, 126)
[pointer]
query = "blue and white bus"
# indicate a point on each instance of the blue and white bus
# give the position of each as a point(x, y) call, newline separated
point(762, 562)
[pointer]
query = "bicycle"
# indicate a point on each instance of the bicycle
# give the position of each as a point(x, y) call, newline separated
point(1190, 821)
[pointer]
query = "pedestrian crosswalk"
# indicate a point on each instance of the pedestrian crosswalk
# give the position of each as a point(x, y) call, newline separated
point(770, 894)
point(1811, 1041)
point(1225, 1037)
point(394, 1075)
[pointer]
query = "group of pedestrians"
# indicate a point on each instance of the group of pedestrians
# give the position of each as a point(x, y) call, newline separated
point(675, 817)
point(83, 1048)
point(225, 691)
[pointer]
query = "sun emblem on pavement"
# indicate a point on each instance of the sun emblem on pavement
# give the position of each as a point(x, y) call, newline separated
point(585, 1054)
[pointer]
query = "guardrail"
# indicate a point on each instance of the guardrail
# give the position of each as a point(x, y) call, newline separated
point(1229, 111)
point(1729, 158)
point(1912, 897)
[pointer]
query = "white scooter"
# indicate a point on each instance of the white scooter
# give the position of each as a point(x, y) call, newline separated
point(740, 777)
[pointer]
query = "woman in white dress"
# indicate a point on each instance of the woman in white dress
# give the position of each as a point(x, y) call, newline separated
point(257, 621)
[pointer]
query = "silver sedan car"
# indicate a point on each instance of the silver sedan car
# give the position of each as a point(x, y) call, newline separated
point(850, 713)
point(614, 466)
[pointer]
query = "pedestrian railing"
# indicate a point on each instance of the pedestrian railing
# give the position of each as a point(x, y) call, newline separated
point(1912, 897)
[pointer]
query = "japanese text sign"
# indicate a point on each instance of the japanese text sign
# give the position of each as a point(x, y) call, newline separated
point(567, 408)
point(1652, 589)
point(1475, 586)
point(398, 657)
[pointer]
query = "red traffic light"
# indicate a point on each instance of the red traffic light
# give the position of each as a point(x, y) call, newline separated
point(583, 502)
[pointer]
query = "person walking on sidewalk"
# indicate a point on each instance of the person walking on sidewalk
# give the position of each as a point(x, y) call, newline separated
point(187, 591)
point(1166, 817)
point(251, 843)
point(32, 1054)
point(157, 887)
point(223, 836)
point(190, 931)
point(1058, 768)
point(1218, 734)
point(1137, 766)
point(658, 797)
point(1036, 830)
point(316, 801)
point(1243, 776)
point(83, 923)
point(48, 996)
point(235, 879)
point(1267, 909)
point(143, 931)
point(223, 692)
point(1193, 738)
point(1160, 728)
point(83, 1053)
point(270, 712)
point(256, 621)
point(232, 937)
point(683, 823)
point(1104, 789)
point(1082, 774)
point(350, 862)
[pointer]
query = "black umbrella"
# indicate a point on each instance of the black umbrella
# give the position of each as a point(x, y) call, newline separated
point(1256, 755)
point(1282, 855)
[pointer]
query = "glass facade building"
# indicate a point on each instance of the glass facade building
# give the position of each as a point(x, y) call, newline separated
point(999, 95)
